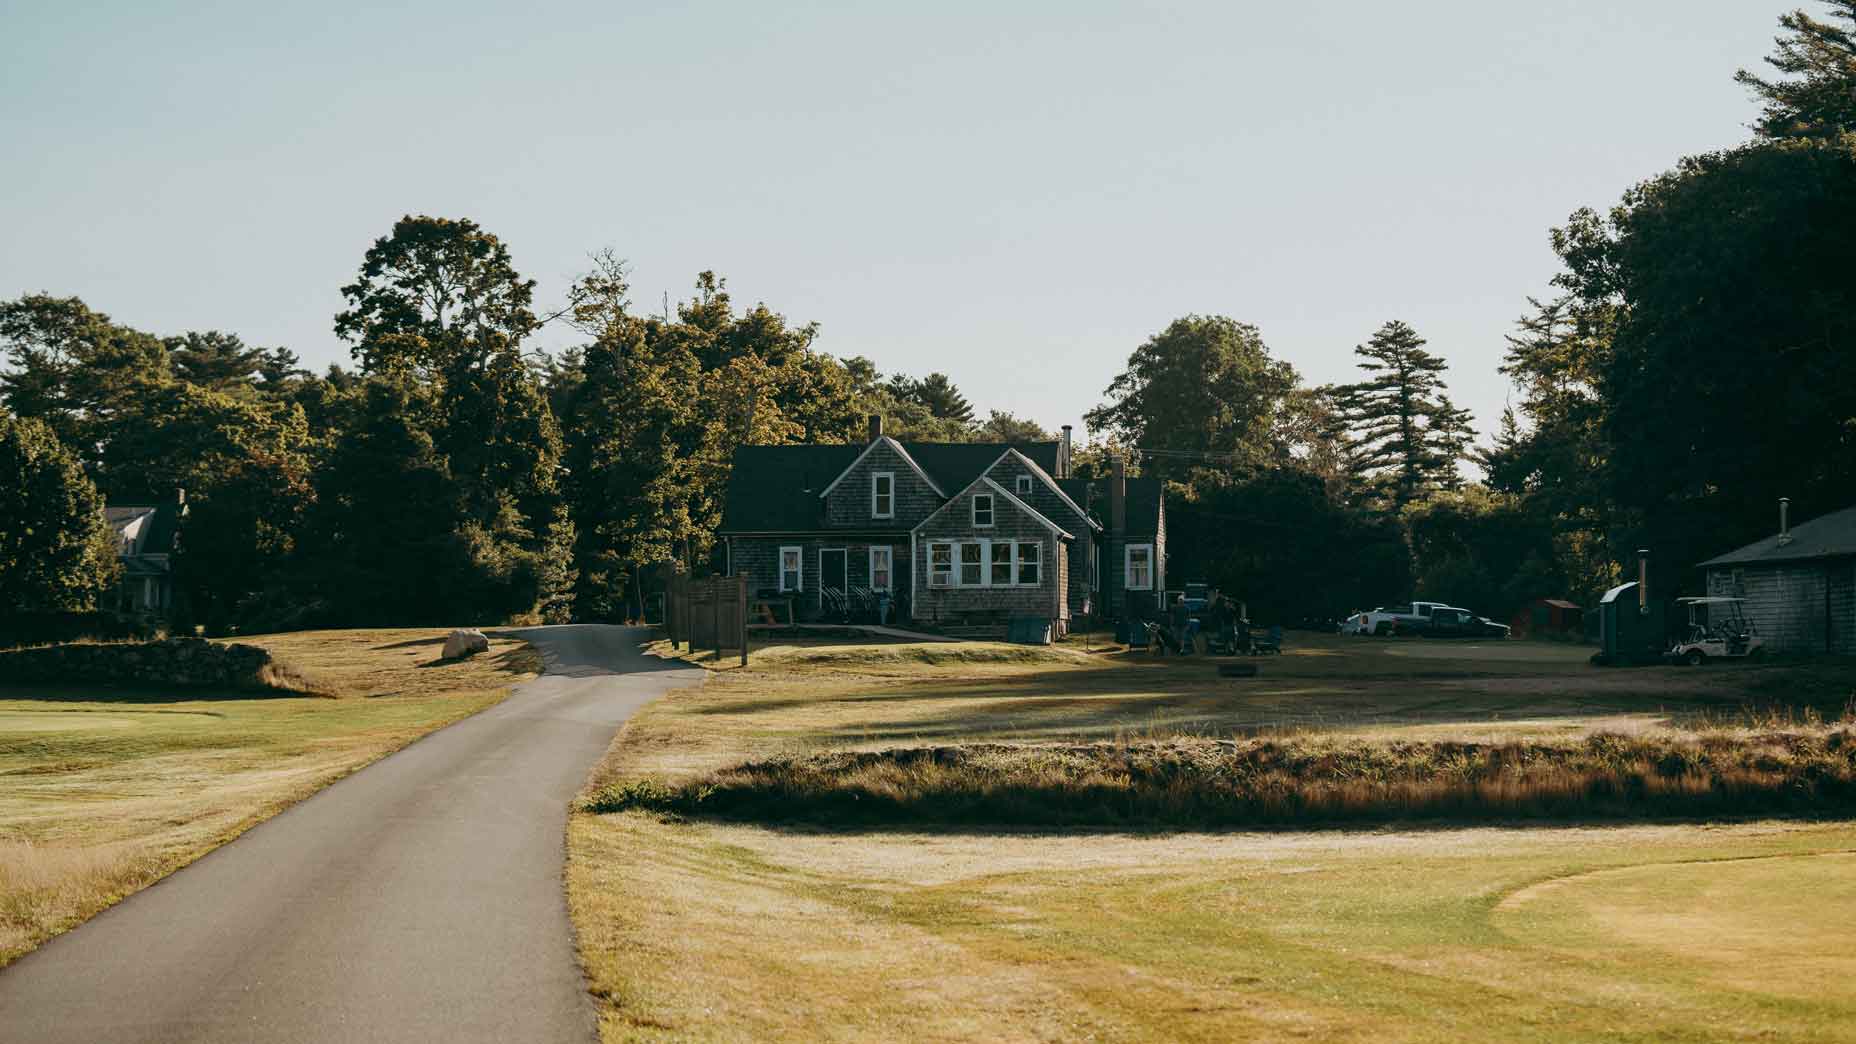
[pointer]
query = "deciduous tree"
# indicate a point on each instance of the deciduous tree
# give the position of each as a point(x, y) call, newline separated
point(56, 550)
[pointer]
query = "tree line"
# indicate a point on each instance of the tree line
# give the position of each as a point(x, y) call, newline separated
point(1694, 364)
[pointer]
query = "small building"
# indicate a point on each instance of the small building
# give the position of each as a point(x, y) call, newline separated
point(147, 536)
point(1545, 616)
point(959, 535)
point(1799, 583)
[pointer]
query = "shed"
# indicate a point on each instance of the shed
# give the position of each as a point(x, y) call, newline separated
point(1544, 616)
point(1799, 584)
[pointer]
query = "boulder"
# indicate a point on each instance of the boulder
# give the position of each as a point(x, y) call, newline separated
point(465, 641)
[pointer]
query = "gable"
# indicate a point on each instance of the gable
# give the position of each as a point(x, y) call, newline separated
point(1032, 484)
point(847, 502)
point(1009, 513)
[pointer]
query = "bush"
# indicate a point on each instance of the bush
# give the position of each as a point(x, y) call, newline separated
point(46, 628)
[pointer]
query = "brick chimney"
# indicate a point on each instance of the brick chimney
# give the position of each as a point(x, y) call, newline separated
point(1118, 497)
point(876, 427)
point(1063, 455)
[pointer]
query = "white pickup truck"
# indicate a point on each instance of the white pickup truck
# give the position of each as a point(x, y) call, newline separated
point(1405, 616)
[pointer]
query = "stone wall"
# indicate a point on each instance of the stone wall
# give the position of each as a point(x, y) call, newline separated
point(176, 662)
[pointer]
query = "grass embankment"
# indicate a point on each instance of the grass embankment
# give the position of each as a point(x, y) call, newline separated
point(812, 927)
point(1210, 783)
point(103, 792)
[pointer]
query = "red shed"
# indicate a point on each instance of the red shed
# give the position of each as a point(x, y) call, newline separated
point(1544, 616)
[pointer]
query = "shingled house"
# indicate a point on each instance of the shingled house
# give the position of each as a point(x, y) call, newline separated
point(147, 536)
point(957, 535)
point(1799, 583)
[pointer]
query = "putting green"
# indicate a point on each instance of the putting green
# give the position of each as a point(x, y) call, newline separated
point(1775, 925)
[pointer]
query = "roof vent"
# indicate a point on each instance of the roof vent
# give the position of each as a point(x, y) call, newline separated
point(1785, 521)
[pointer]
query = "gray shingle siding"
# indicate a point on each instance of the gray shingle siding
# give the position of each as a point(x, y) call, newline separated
point(1011, 524)
point(759, 558)
point(1798, 607)
point(848, 505)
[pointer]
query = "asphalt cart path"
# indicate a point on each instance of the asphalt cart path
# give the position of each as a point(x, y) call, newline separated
point(419, 899)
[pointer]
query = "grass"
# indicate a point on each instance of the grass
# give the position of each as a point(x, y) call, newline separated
point(103, 792)
point(907, 921)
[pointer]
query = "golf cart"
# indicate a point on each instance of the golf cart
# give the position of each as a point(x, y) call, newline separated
point(1717, 630)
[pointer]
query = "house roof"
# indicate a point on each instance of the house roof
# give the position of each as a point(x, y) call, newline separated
point(1825, 536)
point(157, 534)
point(1143, 501)
point(775, 489)
point(998, 490)
point(1043, 476)
point(901, 451)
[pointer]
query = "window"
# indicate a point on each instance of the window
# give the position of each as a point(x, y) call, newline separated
point(883, 495)
point(982, 509)
point(973, 565)
point(880, 558)
point(1140, 567)
point(1030, 557)
point(792, 568)
point(940, 565)
point(1023, 485)
point(1001, 556)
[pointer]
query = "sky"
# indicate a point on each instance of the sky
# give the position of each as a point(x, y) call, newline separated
point(1016, 194)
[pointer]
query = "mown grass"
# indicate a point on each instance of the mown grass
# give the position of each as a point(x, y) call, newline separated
point(843, 843)
point(104, 791)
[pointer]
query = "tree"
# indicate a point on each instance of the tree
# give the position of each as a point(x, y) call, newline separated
point(1001, 426)
point(439, 302)
point(1202, 395)
point(1730, 377)
point(1819, 98)
point(1403, 433)
point(436, 293)
point(73, 368)
point(935, 393)
point(56, 550)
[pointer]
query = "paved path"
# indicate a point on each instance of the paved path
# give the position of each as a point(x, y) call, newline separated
point(417, 900)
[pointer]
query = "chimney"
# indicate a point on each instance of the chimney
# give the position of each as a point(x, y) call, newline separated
point(1785, 521)
point(1063, 455)
point(1643, 581)
point(876, 427)
point(1118, 497)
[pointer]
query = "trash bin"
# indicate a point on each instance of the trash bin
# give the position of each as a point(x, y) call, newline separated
point(882, 608)
point(1028, 630)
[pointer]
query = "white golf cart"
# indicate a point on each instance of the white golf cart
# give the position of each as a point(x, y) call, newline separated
point(1717, 630)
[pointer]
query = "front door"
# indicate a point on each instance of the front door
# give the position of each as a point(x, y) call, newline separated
point(831, 576)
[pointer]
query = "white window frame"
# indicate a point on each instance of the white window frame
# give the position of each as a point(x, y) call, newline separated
point(889, 567)
point(960, 563)
point(1127, 567)
point(799, 574)
point(953, 563)
point(992, 510)
point(1019, 563)
point(1023, 485)
point(994, 559)
point(875, 511)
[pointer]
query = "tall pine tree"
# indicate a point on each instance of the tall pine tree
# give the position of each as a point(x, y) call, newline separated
point(1404, 437)
point(1818, 100)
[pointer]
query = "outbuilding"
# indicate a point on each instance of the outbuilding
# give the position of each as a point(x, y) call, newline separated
point(1799, 584)
point(1544, 616)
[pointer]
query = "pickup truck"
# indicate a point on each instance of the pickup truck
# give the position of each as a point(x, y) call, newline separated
point(1405, 617)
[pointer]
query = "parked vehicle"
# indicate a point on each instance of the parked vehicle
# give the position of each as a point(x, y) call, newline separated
point(1405, 618)
point(1451, 622)
point(1717, 630)
point(1356, 624)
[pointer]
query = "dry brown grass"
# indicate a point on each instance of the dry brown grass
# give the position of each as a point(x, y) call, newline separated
point(695, 928)
point(103, 792)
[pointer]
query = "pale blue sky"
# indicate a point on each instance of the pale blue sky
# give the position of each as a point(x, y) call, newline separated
point(1016, 194)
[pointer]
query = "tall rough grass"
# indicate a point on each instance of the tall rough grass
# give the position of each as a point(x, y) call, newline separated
point(1211, 783)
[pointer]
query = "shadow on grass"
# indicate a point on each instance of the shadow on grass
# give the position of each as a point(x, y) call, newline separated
point(411, 643)
point(138, 693)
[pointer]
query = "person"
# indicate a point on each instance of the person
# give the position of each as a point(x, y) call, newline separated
point(1243, 635)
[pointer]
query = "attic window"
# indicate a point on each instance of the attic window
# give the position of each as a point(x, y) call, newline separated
point(883, 495)
point(1023, 485)
point(982, 509)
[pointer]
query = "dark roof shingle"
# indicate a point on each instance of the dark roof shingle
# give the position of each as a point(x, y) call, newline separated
point(1826, 536)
